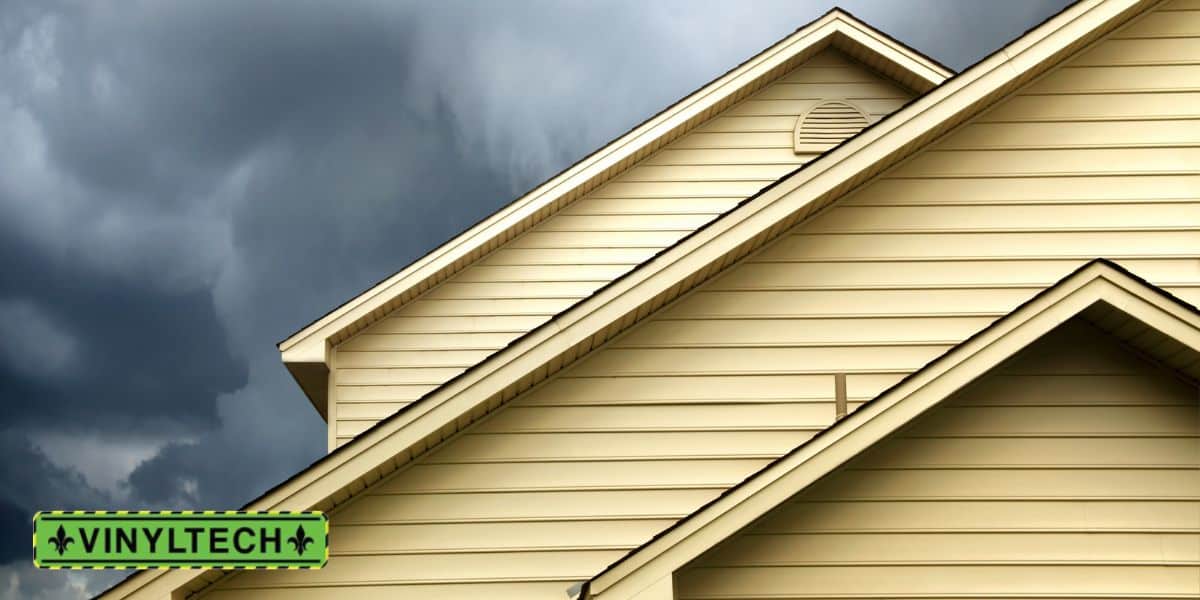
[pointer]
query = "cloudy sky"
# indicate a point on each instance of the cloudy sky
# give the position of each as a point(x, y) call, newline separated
point(183, 184)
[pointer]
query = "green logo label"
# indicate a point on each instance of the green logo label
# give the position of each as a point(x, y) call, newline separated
point(180, 539)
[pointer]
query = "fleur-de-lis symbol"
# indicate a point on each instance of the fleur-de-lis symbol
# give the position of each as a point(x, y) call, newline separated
point(300, 540)
point(61, 540)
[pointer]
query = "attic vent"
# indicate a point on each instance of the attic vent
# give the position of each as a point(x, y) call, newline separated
point(826, 125)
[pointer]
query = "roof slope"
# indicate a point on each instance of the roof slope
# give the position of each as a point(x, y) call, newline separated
point(306, 352)
point(571, 334)
point(1100, 291)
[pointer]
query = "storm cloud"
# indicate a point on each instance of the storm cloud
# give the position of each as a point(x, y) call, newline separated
point(184, 184)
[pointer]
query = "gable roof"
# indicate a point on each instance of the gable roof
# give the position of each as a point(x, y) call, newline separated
point(1144, 316)
point(305, 352)
point(625, 301)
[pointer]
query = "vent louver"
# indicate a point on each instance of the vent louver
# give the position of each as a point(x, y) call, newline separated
point(826, 125)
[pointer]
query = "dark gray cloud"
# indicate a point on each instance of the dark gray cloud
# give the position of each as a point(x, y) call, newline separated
point(183, 184)
point(30, 481)
point(84, 351)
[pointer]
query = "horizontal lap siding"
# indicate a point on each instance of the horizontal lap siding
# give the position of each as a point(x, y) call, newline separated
point(586, 245)
point(1088, 487)
point(571, 475)
point(583, 469)
point(1092, 160)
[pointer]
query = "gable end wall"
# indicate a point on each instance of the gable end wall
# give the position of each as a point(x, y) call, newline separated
point(594, 240)
point(574, 473)
point(1072, 470)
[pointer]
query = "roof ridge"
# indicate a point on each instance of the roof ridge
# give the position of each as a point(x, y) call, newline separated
point(899, 42)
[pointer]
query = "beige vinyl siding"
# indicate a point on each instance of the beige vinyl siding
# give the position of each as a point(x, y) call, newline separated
point(889, 277)
point(1073, 470)
point(576, 472)
point(587, 244)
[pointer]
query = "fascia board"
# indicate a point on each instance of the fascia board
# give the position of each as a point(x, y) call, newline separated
point(811, 35)
point(888, 413)
point(310, 340)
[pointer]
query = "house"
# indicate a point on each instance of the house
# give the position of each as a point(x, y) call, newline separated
point(838, 324)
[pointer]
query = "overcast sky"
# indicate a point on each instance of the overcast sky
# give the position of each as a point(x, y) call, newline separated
point(183, 184)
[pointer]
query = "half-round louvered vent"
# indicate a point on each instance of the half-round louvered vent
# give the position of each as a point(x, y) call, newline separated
point(827, 124)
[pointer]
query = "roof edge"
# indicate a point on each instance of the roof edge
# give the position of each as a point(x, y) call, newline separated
point(1097, 281)
point(837, 26)
point(988, 76)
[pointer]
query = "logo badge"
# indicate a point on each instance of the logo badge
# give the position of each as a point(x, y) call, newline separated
point(180, 539)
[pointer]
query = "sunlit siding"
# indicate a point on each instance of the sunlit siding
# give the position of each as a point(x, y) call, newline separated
point(588, 244)
point(576, 472)
point(1073, 471)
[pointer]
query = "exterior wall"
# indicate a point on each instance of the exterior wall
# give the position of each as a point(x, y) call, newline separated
point(1071, 471)
point(1089, 161)
point(574, 473)
point(589, 243)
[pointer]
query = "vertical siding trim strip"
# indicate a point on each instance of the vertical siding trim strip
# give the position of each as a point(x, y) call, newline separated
point(839, 394)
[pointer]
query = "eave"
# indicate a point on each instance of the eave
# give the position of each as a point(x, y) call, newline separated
point(304, 352)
